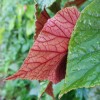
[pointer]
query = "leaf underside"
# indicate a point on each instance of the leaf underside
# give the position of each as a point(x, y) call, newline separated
point(47, 57)
point(83, 68)
point(39, 25)
point(41, 19)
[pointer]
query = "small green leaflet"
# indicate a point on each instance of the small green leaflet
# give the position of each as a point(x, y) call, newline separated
point(43, 85)
point(45, 3)
point(83, 64)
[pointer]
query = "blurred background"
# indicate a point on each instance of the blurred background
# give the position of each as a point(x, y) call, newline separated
point(17, 27)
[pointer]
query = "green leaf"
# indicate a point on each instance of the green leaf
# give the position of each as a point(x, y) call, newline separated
point(55, 6)
point(43, 87)
point(1, 34)
point(83, 68)
point(30, 27)
point(57, 88)
point(30, 11)
point(19, 12)
point(45, 3)
point(12, 23)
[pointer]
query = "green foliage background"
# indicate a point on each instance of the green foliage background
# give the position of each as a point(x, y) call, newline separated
point(17, 27)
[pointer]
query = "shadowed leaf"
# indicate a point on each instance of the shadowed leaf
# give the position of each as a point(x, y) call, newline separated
point(78, 3)
point(41, 19)
point(49, 89)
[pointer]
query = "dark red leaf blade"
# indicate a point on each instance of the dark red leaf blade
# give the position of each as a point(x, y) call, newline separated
point(44, 61)
point(49, 89)
point(41, 19)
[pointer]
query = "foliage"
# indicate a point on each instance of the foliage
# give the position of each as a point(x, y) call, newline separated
point(52, 41)
point(18, 24)
point(83, 65)
point(45, 3)
point(17, 27)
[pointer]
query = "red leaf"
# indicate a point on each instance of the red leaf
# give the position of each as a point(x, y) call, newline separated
point(49, 89)
point(41, 19)
point(47, 57)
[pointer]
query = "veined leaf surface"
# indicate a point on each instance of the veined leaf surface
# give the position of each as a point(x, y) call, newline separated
point(47, 57)
point(83, 64)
